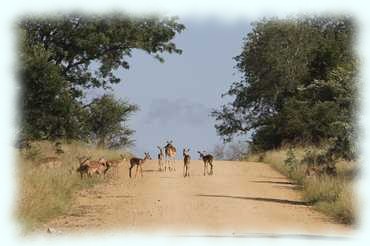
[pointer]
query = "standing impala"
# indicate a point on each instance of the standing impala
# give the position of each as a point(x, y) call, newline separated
point(207, 159)
point(186, 154)
point(138, 162)
point(170, 152)
point(160, 158)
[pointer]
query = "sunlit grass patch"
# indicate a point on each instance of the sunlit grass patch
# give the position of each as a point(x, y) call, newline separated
point(332, 195)
point(44, 193)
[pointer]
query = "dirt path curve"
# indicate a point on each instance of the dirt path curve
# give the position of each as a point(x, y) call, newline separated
point(242, 197)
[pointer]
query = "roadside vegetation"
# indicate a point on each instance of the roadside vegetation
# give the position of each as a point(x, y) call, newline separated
point(299, 88)
point(45, 192)
point(332, 195)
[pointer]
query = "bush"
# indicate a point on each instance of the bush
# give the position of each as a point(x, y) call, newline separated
point(291, 161)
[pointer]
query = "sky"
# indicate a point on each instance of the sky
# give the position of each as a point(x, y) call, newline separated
point(176, 97)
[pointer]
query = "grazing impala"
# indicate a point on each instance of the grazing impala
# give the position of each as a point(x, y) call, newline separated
point(186, 155)
point(138, 162)
point(89, 167)
point(207, 159)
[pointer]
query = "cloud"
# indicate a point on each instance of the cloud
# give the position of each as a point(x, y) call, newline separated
point(179, 111)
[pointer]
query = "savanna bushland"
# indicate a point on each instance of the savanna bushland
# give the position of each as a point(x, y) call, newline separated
point(60, 58)
point(295, 103)
point(297, 99)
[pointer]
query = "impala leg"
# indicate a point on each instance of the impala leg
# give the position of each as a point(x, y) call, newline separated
point(211, 172)
point(204, 169)
point(186, 170)
point(141, 170)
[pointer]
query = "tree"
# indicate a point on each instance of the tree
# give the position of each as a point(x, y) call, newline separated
point(219, 151)
point(49, 109)
point(236, 150)
point(106, 115)
point(298, 83)
point(62, 56)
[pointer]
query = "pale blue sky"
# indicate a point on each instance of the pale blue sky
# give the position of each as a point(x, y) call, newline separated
point(177, 96)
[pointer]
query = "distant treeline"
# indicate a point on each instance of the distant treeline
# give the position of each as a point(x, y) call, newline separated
point(298, 85)
point(62, 57)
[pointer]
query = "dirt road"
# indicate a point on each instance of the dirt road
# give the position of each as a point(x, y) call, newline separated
point(241, 197)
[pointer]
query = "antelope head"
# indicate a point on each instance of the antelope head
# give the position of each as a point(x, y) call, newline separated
point(147, 156)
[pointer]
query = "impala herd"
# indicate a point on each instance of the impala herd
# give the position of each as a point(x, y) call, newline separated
point(166, 161)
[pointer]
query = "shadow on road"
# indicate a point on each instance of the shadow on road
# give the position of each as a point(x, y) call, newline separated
point(295, 187)
point(272, 177)
point(262, 199)
point(150, 170)
point(273, 182)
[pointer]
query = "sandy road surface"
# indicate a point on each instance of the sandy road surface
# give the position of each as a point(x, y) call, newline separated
point(242, 197)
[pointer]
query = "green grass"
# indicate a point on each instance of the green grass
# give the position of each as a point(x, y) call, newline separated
point(330, 195)
point(45, 193)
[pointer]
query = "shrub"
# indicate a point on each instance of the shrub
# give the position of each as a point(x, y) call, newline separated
point(291, 161)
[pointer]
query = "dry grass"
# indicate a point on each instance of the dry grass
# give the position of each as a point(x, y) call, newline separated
point(47, 192)
point(330, 195)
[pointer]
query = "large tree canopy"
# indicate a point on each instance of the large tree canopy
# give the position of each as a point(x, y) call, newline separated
point(62, 56)
point(105, 121)
point(74, 42)
point(298, 83)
